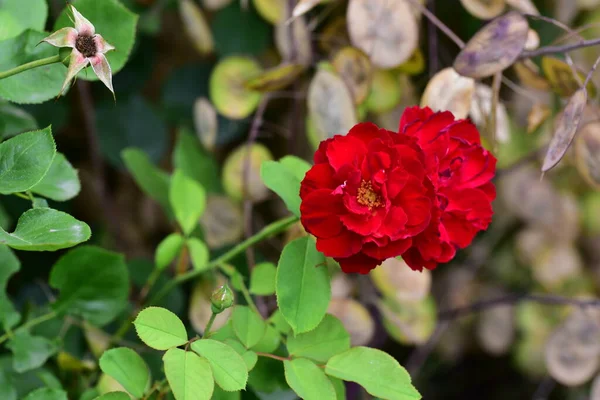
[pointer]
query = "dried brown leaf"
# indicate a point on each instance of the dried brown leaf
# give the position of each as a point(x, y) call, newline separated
point(538, 114)
point(297, 46)
point(304, 6)
point(587, 153)
point(196, 27)
point(484, 9)
point(529, 75)
point(385, 30)
point(276, 78)
point(566, 128)
point(524, 6)
point(494, 48)
point(561, 77)
point(221, 221)
point(206, 123)
point(355, 69)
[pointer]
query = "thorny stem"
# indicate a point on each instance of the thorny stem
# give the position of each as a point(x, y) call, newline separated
point(29, 324)
point(30, 65)
point(268, 231)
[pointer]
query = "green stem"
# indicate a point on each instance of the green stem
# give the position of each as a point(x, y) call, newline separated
point(29, 324)
point(249, 299)
point(268, 231)
point(209, 325)
point(30, 65)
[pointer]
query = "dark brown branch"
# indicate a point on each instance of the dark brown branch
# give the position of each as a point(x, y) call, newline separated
point(512, 299)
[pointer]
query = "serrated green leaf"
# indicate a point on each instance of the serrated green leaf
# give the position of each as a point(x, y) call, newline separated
point(199, 253)
point(160, 329)
point(220, 394)
point(93, 284)
point(228, 367)
point(224, 333)
point(168, 249)
point(15, 120)
point(25, 160)
point(47, 394)
point(30, 352)
point(127, 368)
point(262, 279)
point(303, 287)
point(45, 229)
point(326, 340)
point(308, 380)
point(113, 21)
point(37, 84)
point(279, 322)
point(9, 317)
point(113, 396)
point(378, 372)
point(249, 356)
point(61, 182)
point(195, 162)
point(248, 326)
point(189, 375)
point(31, 17)
point(269, 342)
point(153, 181)
point(188, 200)
point(284, 177)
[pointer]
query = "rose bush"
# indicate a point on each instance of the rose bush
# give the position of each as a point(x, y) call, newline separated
point(421, 193)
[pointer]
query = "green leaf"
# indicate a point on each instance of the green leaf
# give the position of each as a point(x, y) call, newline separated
point(284, 177)
point(239, 31)
point(128, 368)
point(262, 279)
point(15, 120)
point(308, 380)
point(134, 123)
point(35, 85)
point(279, 322)
point(153, 181)
point(113, 21)
point(228, 367)
point(249, 356)
point(46, 394)
point(93, 283)
point(61, 182)
point(303, 288)
point(45, 229)
point(30, 352)
point(189, 375)
point(378, 372)
point(39, 202)
point(188, 200)
point(224, 333)
point(269, 342)
point(340, 388)
point(25, 159)
point(220, 394)
point(114, 396)
point(248, 326)
point(322, 343)
point(199, 253)
point(9, 317)
point(195, 162)
point(31, 17)
point(160, 329)
point(168, 250)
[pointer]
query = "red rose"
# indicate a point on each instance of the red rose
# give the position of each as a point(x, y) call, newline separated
point(460, 170)
point(366, 197)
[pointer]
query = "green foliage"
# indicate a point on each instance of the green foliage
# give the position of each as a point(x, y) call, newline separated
point(308, 380)
point(9, 317)
point(47, 394)
point(248, 326)
point(250, 34)
point(303, 289)
point(262, 279)
point(249, 356)
point(134, 123)
point(189, 375)
point(113, 21)
point(378, 372)
point(25, 160)
point(14, 120)
point(228, 367)
point(35, 85)
point(61, 182)
point(128, 368)
point(284, 177)
point(198, 253)
point(45, 229)
point(114, 396)
point(31, 17)
point(168, 249)
point(93, 284)
point(160, 329)
point(30, 352)
point(195, 162)
point(153, 181)
point(269, 342)
point(188, 200)
point(322, 343)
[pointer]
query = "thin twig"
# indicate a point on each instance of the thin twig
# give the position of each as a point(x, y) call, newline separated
point(441, 26)
point(432, 41)
point(545, 388)
point(565, 48)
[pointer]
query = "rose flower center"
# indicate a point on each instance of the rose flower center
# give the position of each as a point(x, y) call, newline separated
point(86, 46)
point(367, 196)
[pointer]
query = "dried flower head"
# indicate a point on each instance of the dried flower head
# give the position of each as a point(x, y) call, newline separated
point(88, 48)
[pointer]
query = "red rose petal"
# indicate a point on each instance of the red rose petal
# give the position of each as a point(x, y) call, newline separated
point(343, 245)
point(358, 263)
point(319, 213)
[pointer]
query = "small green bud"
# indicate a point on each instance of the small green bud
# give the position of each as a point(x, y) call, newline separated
point(221, 299)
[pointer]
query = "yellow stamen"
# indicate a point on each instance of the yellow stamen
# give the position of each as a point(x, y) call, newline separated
point(367, 196)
